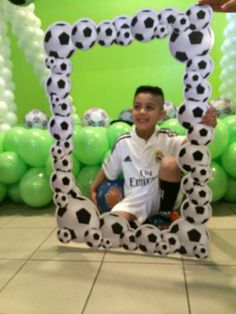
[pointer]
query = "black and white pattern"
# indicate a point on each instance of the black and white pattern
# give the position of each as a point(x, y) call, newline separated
point(191, 39)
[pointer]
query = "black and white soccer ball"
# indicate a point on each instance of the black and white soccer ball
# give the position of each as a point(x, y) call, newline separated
point(78, 216)
point(57, 84)
point(201, 251)
point(147, 238)
point(186, 45)
point(124, 35)
point(200, 195)
point(187, 183)
point(84, 34)
point(55, 99)
point(195, 214)
point(64, 164)
point(127, 240)
point(112, 226)
point(200, 134)
point(200, 92)
point(171, 239)
point(190, 156)
point(202, 64)
point(181, 23)
point(50, 62)
point(163, 248)
point(189, 235)
point(191, 112)
point(93, 238)
point(57, 152)
point(62, 181)
point(106, 243)
point(200, 16)
point(106, 33)
point(167, 17)
point(63, 108)
point(61, 128)
point(143, 25)
point(161, 31)
point(36, 119)
point(57, 40)
point(66, 146)
point(62, 66)
point(64, 235)
point(192, 78)
point(201, 174)
point(60, 199)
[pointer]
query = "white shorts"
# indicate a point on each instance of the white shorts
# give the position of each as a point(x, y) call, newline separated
point(142, 205)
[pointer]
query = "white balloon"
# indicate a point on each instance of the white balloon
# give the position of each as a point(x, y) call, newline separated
point(8, 96)
point(3, 108)
point(4, 127)
point(5, 73)
point(12, 107)
point(11, 118)
point(2, 85)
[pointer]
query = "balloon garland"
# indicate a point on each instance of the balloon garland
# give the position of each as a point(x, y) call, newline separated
point(228, 73)
point(26, 27)
point(190, 40)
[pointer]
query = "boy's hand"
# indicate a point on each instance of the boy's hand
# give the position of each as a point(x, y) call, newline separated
point(93, 197)
point(220, 5)
point(210, 117)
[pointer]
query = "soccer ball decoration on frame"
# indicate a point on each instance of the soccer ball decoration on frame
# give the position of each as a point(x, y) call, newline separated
point(190, 41)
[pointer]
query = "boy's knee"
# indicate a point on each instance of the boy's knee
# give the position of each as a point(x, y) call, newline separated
point(169, 169)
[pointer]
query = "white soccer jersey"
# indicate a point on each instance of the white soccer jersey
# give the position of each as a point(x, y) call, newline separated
point(136, 158)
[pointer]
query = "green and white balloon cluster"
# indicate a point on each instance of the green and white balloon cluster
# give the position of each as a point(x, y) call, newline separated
point(228, 61)
point(190, 41)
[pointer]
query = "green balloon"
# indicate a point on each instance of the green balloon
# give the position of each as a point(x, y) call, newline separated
point(12, 139)
point(115, 130)
point(230, 122)
point(2, 135)
point(3, 192)
point(218, 182)
point(230, 194)
point(91, 145)
point(228, 160)
point(12, 167)
point(35, 147)
point(86, 177)
point(14, 193)
point(35, 188)
point(220, 140)
point(174, 125)
point(49, 166)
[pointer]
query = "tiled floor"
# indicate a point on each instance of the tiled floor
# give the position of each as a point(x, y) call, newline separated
point(40, 275)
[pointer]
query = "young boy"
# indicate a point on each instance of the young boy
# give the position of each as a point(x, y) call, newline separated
point(147, 158)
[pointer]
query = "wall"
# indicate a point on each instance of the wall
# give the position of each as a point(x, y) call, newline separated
point(107, 77)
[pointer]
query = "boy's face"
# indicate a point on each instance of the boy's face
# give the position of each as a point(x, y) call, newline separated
point(147, 111)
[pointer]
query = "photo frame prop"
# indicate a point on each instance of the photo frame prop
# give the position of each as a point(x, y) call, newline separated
point(190, 41)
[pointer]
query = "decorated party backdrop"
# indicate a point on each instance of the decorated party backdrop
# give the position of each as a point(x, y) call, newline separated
point(107, 78)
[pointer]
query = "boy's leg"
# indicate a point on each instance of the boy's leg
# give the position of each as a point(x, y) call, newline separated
point(169, 180)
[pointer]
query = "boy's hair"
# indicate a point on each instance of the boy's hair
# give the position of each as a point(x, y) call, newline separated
point(153, 90)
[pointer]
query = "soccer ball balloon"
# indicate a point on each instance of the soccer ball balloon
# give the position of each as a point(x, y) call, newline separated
point(57, 40)
point(21, 2)
point(143, 25)
point(84, 34)
point(167, 17)
point(124, 36)
point(200, 134)
point(127, 240)
point(57, 84)
point(200, 92)
point(106, 33)
point(188, 44)
point(36, 119)
point(202, 64)
point(96, 117)
point(200, 16)
point(61, 128)
point(181, 23)
point(148, 238)
point(195, 214)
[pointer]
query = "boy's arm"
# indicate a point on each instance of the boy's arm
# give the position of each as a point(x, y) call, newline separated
point(100, 178)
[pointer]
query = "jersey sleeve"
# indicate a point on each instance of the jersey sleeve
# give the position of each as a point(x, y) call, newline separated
point(112, 164)
point(170, 141)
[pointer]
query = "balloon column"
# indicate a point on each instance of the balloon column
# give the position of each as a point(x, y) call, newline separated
point(228, 65)
point(190, 41)
point(26, 27)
